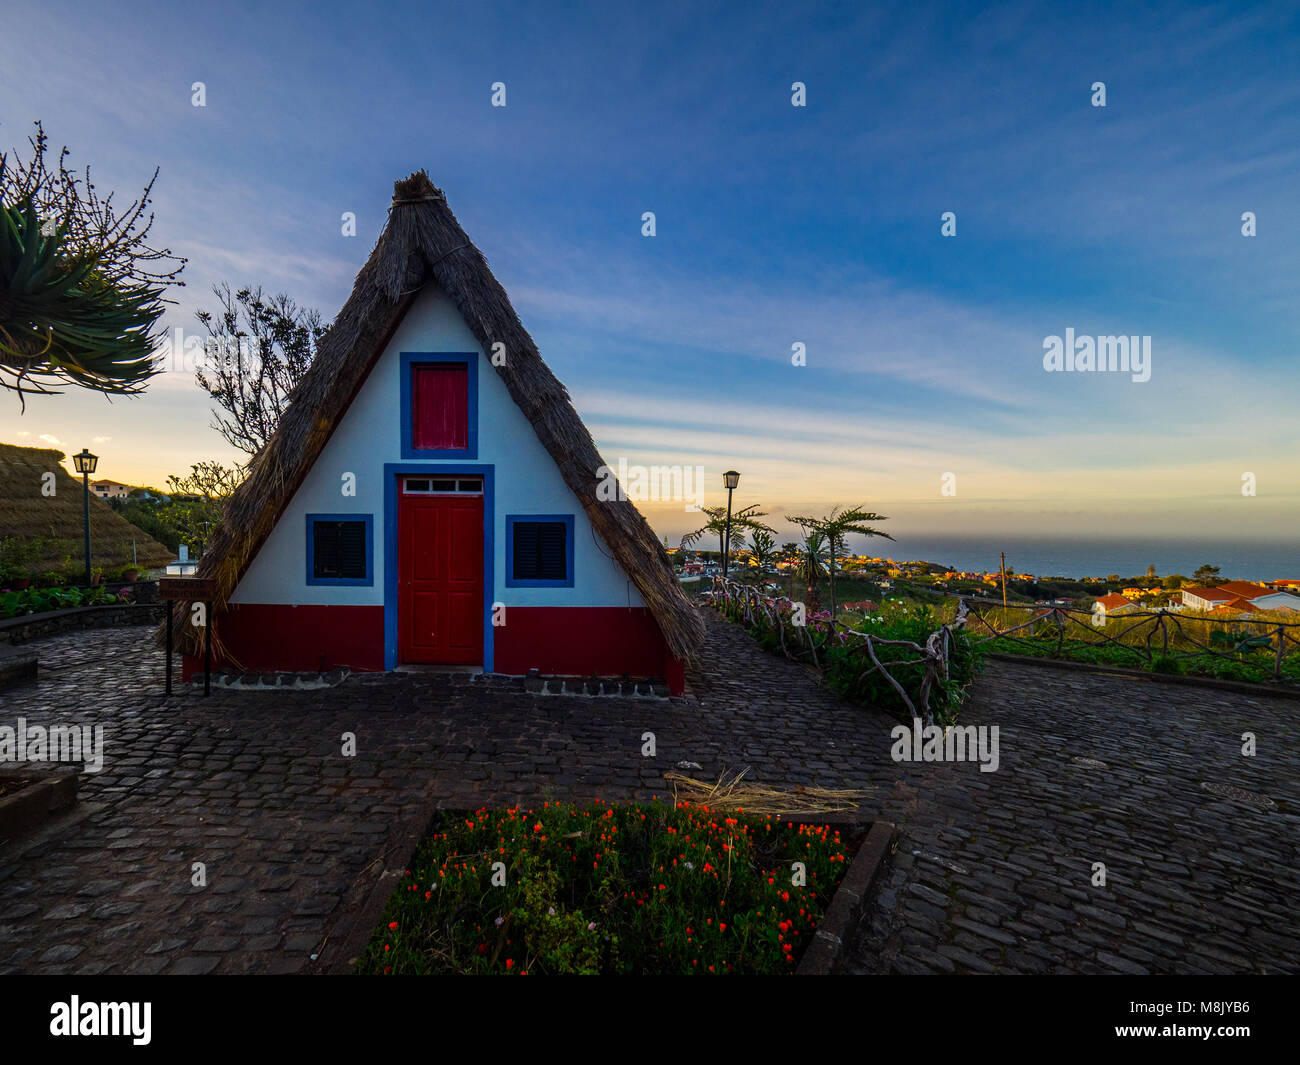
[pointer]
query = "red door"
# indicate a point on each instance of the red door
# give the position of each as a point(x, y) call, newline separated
point(440, 579)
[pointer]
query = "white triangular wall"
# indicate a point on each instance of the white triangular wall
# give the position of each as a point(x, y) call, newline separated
point(527, 481)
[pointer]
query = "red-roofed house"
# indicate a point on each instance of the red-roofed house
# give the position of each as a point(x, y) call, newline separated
point(1116, 604)
point(1236, 607)
point(1255, 596)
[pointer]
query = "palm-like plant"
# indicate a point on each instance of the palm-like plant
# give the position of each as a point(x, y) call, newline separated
point(62, 321)
point(762, 552)
point(741, 520)
point(812, 566)
point(81, 290)
point(835, 527)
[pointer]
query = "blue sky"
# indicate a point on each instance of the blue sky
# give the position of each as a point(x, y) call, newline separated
point(775, 225)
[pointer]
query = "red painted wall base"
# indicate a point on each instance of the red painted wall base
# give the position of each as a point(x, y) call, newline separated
point(568, 641)
point(296, 639)
point(580, 641)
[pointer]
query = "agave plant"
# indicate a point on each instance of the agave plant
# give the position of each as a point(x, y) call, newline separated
point(61, 320)
point(81, 289)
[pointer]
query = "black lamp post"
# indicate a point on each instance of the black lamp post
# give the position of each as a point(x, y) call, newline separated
point(85, 464)
point(730, 479)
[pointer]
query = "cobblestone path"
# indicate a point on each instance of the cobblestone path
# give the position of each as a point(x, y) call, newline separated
point(993, 872)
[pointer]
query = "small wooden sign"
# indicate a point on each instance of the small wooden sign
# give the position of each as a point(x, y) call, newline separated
point(190, 589)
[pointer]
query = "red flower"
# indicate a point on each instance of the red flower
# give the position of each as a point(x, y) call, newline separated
point(392, 924)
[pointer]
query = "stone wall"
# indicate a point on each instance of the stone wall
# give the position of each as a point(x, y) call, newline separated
point(34, 626)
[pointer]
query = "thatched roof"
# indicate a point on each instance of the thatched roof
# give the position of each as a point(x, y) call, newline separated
point(423, 244)
point(53, 525)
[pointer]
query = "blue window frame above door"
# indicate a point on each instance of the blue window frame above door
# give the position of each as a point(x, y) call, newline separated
point(408, 362)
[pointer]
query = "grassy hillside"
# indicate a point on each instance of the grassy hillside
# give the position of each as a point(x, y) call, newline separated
point(51, 525)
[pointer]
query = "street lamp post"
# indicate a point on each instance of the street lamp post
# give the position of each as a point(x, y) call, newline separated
point(730, 479)
point(85, 464)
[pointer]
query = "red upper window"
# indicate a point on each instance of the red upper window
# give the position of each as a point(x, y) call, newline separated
point(440, 405)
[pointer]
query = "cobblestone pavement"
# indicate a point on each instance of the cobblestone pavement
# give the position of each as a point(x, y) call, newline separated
point(993, 871)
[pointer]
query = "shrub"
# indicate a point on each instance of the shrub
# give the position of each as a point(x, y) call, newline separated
point(848, 670)
point(43, 600)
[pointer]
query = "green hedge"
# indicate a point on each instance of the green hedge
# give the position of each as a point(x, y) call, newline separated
point(43, 600)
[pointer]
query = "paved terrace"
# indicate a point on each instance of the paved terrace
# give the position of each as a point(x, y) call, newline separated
point(992, 872)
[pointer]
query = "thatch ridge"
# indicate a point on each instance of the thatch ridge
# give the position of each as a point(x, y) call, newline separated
point(422, 244)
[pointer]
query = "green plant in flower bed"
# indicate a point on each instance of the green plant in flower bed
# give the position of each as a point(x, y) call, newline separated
point(40, 600)
point(636, 889)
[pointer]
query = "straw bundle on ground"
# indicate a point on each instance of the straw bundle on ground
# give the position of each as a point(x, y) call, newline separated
point(424, 244)
point(729, 793)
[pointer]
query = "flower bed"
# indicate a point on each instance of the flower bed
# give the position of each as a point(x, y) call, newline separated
point(636, 889)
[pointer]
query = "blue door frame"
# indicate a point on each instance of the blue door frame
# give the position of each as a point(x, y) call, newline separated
point(394, 470)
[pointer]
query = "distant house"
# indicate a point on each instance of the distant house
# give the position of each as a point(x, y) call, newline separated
point(1278, 601)
point(1236, 607)
point(1206, 598)
point(110, 489)
point(1229, 595)
point(1116, 604)
point(182, 565)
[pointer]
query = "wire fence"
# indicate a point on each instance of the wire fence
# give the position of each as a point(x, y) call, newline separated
point(1163, 640)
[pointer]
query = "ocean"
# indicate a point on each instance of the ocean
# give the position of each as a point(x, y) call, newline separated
point(1237, 560)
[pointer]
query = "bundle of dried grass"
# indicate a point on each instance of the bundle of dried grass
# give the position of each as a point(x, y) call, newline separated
point(731, 794)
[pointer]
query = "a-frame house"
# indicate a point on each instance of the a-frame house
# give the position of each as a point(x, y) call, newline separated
point(431, 496)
